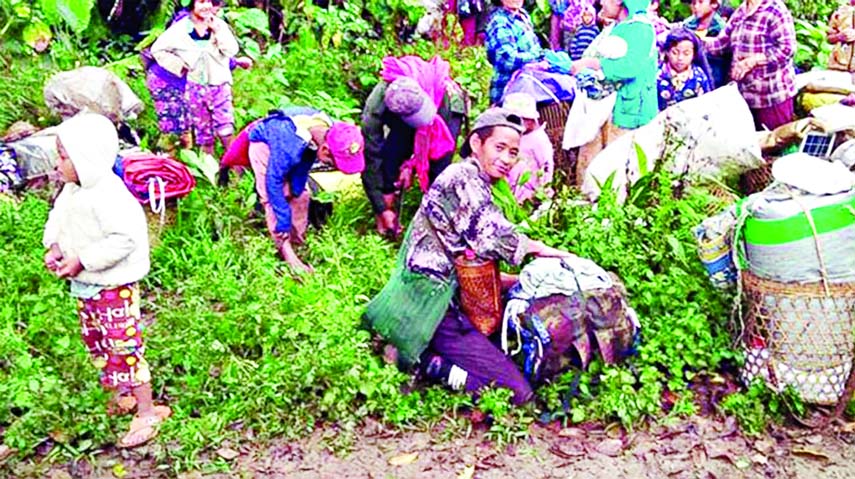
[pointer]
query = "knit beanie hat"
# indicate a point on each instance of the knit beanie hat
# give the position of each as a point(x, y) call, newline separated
point(406, 98)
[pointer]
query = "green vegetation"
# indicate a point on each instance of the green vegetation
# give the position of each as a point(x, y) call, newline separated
point(241, 349)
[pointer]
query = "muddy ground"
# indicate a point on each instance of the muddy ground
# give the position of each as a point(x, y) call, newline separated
point(700, 448)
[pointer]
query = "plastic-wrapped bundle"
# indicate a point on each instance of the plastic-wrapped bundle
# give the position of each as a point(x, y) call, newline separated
point(801, 231)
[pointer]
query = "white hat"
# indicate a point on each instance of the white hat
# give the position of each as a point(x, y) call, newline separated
point(522, 104)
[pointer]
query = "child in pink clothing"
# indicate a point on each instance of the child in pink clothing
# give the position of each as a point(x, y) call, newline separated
point(536, 155)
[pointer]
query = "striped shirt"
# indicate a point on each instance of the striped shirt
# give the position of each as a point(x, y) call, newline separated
point(769, 30)
point(583, 38)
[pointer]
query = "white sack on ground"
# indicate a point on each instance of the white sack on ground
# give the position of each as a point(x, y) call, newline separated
point(713, 136)
point(91, 89)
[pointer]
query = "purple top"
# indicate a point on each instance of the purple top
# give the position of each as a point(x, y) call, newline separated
point(163, 74)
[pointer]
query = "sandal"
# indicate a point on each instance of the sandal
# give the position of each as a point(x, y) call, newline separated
point(144, 429)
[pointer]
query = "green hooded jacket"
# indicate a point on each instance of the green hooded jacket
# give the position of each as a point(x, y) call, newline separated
point(633, 65)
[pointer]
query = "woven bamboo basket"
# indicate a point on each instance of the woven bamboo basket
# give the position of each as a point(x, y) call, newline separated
point(723, 197)
point(756, 180)
point(800, 335)
point(480, 293)
point(554, 116)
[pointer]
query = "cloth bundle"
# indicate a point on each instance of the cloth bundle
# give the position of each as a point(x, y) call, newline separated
point(92, 89)
point(154, 178)
point(566, 305)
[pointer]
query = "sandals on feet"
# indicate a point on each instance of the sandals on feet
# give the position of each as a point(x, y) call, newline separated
point(144, 429)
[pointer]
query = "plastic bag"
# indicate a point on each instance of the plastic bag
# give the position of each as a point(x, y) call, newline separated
point(713, 136)
point(91, 89)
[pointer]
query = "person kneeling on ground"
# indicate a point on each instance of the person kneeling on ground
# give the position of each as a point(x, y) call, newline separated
point(417, 311)
point(281, 150)
point(96, 236)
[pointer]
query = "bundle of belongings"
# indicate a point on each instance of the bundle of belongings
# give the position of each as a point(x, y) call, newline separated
point(561, 312)
point(94, 90)
point(819, 88)
point(68, 93)
point(791, 251)
point(544, 86)
point(710, 137)
point(821, 134)
point(153, 178)
point(32, 153)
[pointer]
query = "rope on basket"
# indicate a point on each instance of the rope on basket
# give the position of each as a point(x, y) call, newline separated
point(822, 269)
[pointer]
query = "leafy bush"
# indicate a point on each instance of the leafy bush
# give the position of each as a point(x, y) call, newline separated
point(813, 48)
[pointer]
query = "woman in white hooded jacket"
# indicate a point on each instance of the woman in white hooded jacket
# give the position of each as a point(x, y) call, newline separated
point(96, 237)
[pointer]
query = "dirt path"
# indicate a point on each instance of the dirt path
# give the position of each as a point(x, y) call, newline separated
point(696, 449)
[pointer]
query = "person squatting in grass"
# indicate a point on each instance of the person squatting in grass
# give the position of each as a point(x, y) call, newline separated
point(411, 121)
point(417, 311)
point(281, 149)
point(97, 238)
point(200, 47)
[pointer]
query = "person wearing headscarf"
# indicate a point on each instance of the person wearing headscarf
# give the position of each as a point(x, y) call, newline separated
point(410, 121)
point(96, 237)
point(417, 312)
point(628, 57)
point(281, 150)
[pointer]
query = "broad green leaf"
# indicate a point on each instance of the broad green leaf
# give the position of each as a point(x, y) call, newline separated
point(75, 13)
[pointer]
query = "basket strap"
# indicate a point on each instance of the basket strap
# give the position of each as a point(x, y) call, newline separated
point(737, 251)
point(822, 269)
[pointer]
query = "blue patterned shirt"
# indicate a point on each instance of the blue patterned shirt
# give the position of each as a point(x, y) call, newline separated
point(673, 90)
point(511, 43)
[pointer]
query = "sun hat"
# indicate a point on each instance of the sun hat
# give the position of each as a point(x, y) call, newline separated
point(347, 146)
point(491, 118)
point(522, 104)
point(406, 98)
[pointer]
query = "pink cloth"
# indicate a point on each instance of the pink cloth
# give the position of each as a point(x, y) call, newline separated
point(536, 156)
point(238, 152)
point(433, 141)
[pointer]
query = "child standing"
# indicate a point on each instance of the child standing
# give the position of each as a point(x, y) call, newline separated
point(585, 33)
point(536, 155)
point(707, 22)
point(685, 73)
point(200, 47)
point(96, 236)
point(841, 34)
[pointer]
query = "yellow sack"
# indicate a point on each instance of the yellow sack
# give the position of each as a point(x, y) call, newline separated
point(810, 101)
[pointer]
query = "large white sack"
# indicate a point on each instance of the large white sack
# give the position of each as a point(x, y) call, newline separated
point(713, 137)
point(91, 89)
